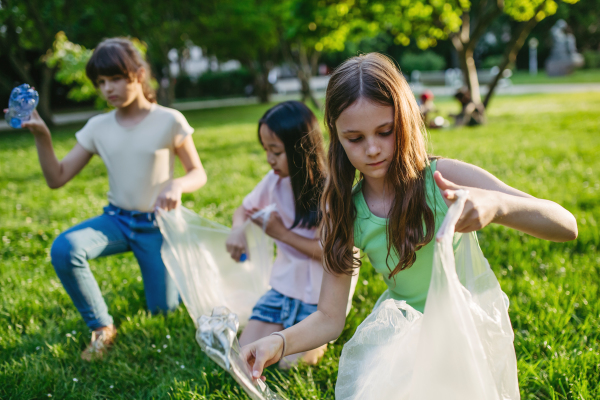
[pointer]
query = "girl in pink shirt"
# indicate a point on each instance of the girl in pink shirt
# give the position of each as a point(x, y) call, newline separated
point(291, 136)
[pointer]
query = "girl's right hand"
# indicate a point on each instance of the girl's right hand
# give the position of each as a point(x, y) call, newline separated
point(262, 353)
point(36, 124)
point(236, 243)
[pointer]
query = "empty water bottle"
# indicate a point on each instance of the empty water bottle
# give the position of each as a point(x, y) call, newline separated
point(23, 100)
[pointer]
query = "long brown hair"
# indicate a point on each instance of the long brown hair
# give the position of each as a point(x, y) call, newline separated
point(297, 127)
point(118, 56)
point(411, 223)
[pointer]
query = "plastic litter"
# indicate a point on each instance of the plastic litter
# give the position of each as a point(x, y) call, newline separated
point(208, 279)
point(23, 100)
point(206, 276)
point(460, 348)
point(216, 335)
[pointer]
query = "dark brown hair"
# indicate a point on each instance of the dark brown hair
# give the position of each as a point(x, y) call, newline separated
point(411, 223)
point(297, 127)
point(118, 56)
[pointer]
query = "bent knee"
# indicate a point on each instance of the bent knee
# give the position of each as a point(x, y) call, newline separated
point(313, 357)
point(65, 251)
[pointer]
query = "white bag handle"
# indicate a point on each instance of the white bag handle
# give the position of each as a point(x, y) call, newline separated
point(454, 211)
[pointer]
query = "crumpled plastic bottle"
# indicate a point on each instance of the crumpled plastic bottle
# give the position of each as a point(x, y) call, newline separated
point(217, 337)
point(23, 100)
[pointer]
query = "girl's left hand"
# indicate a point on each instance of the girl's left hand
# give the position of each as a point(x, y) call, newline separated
point(170, 197)
point(275, 227)
point(262, 353)
point(481, 207)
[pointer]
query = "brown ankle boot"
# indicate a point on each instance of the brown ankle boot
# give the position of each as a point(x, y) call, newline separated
point(102, 339)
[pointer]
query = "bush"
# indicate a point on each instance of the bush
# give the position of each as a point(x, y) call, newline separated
point(492, 61)
point(592, 59)
point(213, 84)
point(426, 61)
point(495, 61)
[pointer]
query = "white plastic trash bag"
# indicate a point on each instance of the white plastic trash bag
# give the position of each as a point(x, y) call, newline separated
point(206, 276)
point(216, 335)
point(461, 348)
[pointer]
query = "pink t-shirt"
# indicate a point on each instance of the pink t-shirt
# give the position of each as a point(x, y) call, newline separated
point(294, 274)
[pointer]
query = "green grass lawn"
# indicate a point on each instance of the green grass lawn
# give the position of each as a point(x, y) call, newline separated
point(546, 145)
point(579, 76)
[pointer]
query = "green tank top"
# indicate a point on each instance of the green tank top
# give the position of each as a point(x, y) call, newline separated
point(370, 236)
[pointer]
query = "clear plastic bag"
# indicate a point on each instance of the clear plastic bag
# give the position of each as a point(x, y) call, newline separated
point(206, 276)
point(216, 335)
point(460, 348)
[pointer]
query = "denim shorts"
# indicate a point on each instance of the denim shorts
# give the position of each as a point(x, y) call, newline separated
point(275, 308)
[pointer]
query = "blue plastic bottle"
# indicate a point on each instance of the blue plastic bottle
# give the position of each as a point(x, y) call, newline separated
point(23, 100)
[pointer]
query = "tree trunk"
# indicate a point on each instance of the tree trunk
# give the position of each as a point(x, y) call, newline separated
point(305, 72)
point(304, 69)
point(473, 113)
point(47, 40)
point(45, 90)
point(165, 95)
point(471, 77)
point(6, 83)
point(259, 69)
point(510, 53)
point(305, 89)
point(262, 86)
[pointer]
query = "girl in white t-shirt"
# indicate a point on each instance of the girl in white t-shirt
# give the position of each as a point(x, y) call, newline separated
point(290, 135)
point(138, 142)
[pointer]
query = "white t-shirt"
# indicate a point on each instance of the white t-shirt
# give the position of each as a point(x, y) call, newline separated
point(139, 159)
point(294, 274)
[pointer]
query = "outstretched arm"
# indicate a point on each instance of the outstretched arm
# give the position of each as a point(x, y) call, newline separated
point(492, 201)
point(57, 173)
point(317, 329)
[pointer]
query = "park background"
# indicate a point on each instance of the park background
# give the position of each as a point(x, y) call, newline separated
point(544, 144)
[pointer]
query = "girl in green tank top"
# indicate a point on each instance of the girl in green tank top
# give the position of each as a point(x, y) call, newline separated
point(370, 236)
point(394, 210)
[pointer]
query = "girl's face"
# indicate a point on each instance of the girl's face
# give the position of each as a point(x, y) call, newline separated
point(366, 132)
point(275, 149)
point(118, 90)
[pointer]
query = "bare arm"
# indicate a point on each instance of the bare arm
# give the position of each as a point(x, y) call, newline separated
point(277, 230)
point(57, 173)
point(321, 327)
point(194, 178)
point(236, 241)
point(239, 217)
point(492, 201)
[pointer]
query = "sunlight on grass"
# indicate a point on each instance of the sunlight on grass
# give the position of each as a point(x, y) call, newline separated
point(546, 145)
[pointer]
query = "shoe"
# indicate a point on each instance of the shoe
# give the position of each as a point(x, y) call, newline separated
point(102, 339)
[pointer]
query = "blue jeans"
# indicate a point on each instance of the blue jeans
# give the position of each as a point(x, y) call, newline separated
point(276, 308)
point(116, 231)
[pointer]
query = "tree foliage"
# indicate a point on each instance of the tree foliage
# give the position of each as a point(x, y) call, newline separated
point(463, 22)
point(244, 30)
point(259, 33)
point(311, 27)
point(70, 59)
